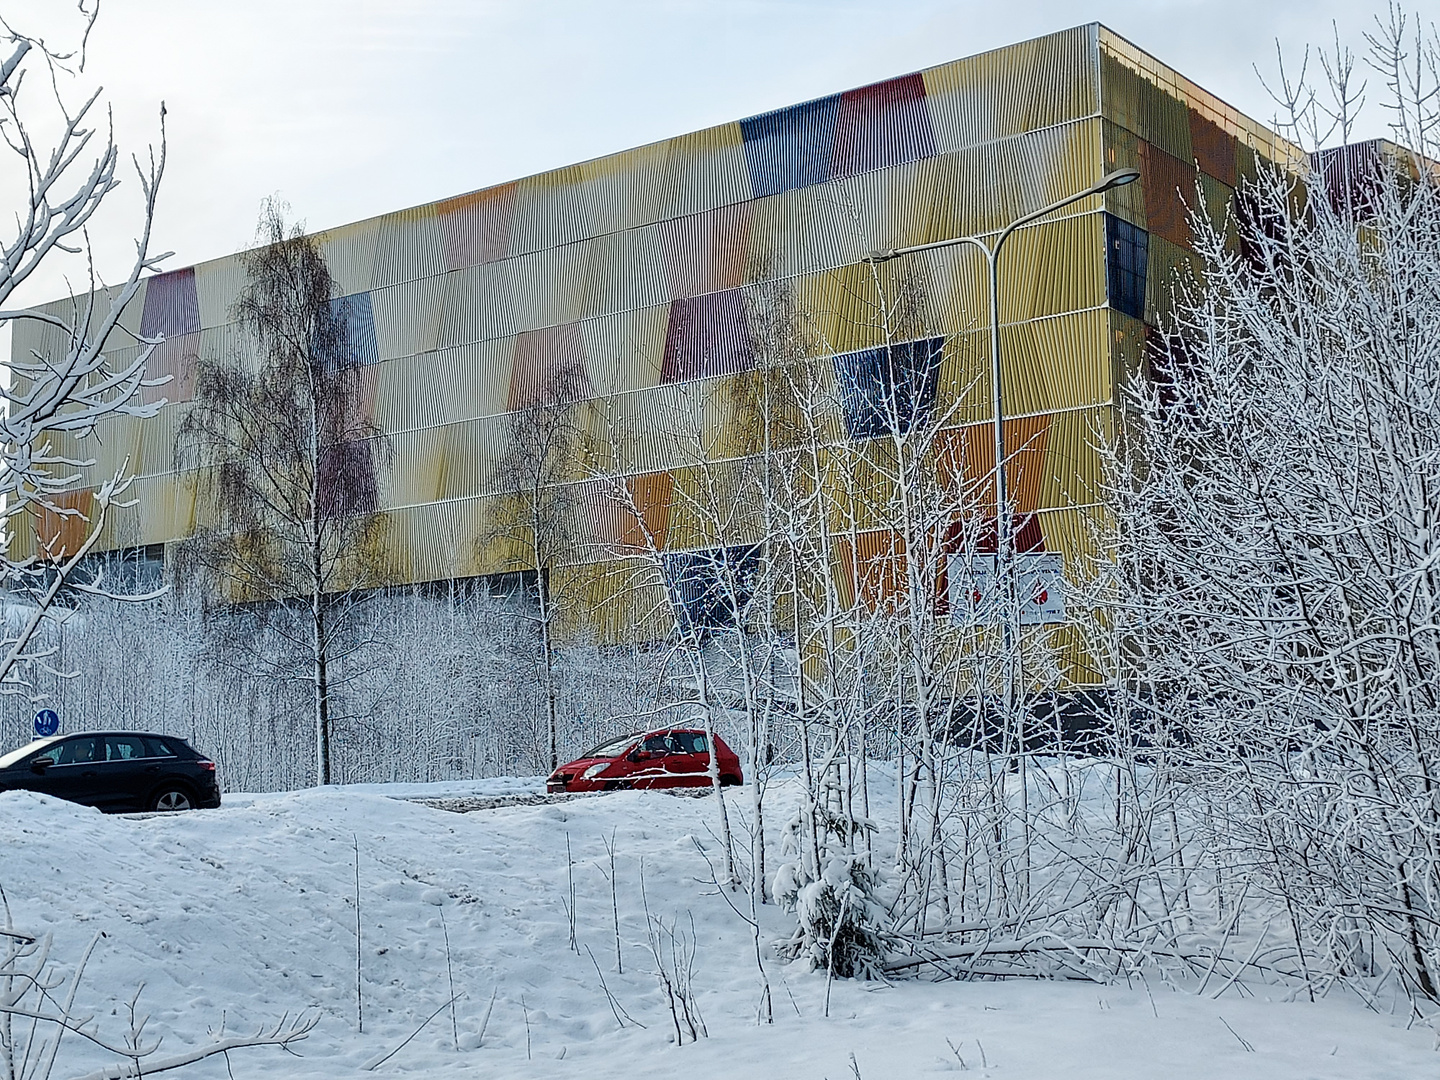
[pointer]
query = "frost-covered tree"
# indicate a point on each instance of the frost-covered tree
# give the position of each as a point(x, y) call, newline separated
point(60, 389)
point(1278, 545)
point(533, 519)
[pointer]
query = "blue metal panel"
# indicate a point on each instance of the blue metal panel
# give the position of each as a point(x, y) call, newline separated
point(889, 390)
point(711, 589)
point(359, 318)
point(791, 148)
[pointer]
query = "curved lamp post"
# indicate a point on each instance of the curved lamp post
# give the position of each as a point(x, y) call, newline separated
point(991, 251)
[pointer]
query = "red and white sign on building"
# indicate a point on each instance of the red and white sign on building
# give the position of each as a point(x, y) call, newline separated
point(975, 594)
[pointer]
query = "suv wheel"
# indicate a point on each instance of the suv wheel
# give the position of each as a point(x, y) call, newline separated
point(171, 797)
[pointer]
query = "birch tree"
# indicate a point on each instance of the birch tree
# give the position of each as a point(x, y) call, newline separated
point(286, 461)
point(533, 519)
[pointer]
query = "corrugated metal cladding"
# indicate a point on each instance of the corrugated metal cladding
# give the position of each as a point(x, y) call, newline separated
point(636, 285)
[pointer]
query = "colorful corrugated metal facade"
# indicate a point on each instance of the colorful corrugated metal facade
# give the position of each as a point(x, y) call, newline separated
point(640, 270)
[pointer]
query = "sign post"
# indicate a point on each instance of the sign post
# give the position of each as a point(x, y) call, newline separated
point(47, 723)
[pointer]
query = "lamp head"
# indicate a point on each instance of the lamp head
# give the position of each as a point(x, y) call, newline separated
point(1118, 178)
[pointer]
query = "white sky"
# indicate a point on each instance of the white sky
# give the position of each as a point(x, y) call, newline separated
point(350, 108)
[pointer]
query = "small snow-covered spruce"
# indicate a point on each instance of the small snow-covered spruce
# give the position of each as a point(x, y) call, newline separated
point(838, 918)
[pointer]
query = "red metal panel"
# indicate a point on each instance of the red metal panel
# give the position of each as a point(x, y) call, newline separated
point(549, 366)
point(604, 518)
point(882, 125)
point(703, 253)
point(1214, 148)
point(1169, 190)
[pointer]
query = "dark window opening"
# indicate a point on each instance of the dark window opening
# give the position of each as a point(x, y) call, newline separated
point(1127, 250)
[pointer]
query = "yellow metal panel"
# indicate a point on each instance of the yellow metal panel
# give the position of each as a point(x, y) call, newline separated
point(1168, 266)
point(442, 387)
point(1057, 363)
point(1154, 111)
point(479, 304)
point(1074, 467)
point(978, 189)
point(217, 286)
point(1053, 267)
point(1122, 151)
point(704, 170)
point(1127, 350)
point(153, 453)
point(653, 430)
point(410, 246)
point(627, 188)
point(552, 208)
point(1219, 205)
point(623, 271)
point(407, 317)
point(350, 253)
point(457, 460)
point(625, 351)
point(549, 287)
point(1116, 53)
point(1018, 88)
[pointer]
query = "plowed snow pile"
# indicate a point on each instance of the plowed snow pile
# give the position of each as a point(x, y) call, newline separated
point(248, 913)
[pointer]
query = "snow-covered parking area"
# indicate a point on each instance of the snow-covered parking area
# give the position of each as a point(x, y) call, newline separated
point(248, 913)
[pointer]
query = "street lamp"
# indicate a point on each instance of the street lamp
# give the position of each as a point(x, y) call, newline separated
point(1003, 555)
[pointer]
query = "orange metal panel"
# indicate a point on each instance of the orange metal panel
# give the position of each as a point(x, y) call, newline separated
point(475, 228)
point(1170, 191)
point(62, 522)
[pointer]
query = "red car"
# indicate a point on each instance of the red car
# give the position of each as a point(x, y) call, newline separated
point(666, 758)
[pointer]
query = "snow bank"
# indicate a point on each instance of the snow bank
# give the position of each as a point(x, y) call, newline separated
point(249, 912)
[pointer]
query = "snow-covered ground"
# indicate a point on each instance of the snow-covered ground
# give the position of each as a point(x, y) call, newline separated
point(248, 913)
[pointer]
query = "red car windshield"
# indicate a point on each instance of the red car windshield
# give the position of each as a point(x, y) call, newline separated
point(613, 748)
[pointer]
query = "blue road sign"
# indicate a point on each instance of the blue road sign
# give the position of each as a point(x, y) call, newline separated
point(47, 722)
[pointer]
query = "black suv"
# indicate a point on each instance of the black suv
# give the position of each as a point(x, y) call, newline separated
point(117, 771)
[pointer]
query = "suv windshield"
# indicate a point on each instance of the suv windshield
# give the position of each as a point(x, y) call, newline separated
point(14, 757)
point(613, 748)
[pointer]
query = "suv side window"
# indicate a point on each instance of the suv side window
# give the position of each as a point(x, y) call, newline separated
point(159, 748)
point(656, 744)
point(692, 741)
point(71, 752)
point(124, 748)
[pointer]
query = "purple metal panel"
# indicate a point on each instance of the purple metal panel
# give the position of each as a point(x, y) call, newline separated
point(704, 253)
point(172, 306)
point(707, 335)
point(1350, 174)
point(549, 367)
point(882, 125)
point(346, 480)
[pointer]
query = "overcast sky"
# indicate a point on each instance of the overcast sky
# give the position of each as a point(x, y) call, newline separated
point(350, 108)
